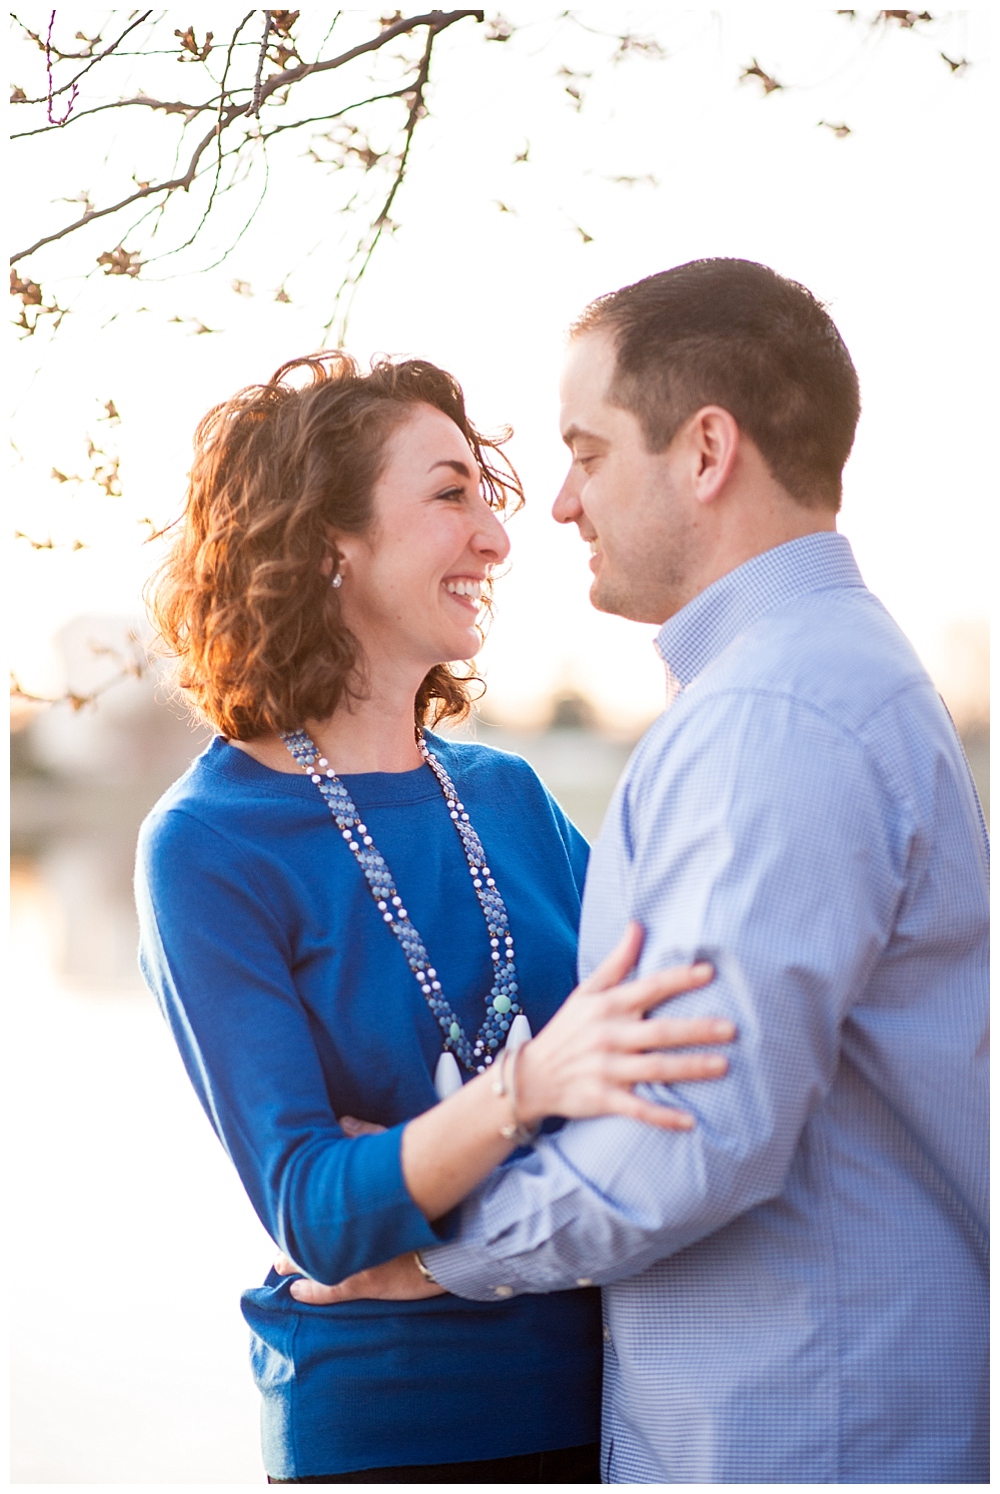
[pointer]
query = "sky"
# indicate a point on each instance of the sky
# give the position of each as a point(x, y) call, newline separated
point(493, 257)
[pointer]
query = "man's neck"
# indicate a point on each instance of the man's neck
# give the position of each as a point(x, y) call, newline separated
point(767, 532)
point(764, 529)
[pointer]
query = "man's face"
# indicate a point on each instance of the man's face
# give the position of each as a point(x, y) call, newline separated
point(634, 507)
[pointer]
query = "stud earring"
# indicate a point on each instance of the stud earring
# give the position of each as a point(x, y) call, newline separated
point(338, 580)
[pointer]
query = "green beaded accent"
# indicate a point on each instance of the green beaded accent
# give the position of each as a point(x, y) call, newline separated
point(454, 1032)
point(501, 1003)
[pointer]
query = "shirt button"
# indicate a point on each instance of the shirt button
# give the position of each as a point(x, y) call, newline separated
point(607, 1335)
point(584, 1281)
point(503, 1291)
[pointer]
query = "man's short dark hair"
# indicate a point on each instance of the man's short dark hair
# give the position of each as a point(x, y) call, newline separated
point(733, 333)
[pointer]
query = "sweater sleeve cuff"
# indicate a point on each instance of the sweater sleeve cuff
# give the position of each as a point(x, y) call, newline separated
point(382, 1221)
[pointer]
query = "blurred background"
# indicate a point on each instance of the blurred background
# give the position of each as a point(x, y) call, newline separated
point(562, 154)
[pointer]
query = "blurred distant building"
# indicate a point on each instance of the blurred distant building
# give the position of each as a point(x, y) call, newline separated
point(573, 711)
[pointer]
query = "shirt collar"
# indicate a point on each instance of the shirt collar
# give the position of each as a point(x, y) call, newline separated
point(696, 635)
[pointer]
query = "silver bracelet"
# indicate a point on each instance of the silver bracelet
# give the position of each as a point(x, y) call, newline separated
point(505, 1083)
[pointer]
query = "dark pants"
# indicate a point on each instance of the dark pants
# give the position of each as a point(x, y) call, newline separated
point(569, 1465)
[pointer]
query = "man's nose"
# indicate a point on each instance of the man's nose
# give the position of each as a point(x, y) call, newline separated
point(567, 508)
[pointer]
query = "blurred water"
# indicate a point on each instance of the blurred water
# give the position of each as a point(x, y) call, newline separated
point(129, 1355)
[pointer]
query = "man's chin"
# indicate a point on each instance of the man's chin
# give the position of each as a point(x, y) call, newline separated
point(599, 597)
point(606, 596)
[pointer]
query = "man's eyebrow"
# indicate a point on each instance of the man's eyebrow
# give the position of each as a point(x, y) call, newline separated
point(577, 432)
point(462, 468)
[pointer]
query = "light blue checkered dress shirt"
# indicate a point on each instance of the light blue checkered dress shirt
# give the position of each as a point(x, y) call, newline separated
point(796, 1291)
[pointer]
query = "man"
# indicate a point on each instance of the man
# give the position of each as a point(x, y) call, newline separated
point(796, 1290)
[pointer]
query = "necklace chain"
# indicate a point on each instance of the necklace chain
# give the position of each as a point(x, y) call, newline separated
point(502, 1005)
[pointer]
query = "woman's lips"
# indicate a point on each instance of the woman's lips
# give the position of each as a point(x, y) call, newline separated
point(466, 590)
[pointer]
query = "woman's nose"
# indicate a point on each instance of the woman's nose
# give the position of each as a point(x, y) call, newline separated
point(492, 541)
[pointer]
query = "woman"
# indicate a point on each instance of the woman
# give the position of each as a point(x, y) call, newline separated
point(344, 915)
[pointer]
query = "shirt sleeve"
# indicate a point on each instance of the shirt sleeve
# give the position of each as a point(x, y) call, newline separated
point(219, 961)
point(763, 841)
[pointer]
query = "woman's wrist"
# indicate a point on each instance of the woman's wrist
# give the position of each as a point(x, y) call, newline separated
point(504, 1084)
point(520, 1082)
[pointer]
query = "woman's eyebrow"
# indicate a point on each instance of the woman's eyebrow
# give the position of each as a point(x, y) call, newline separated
point(461, 468)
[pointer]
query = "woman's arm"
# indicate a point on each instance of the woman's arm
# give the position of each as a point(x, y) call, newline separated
point(584, 1062)
point(217, 953)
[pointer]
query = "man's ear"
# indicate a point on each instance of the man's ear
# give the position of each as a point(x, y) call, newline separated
point(713, 440)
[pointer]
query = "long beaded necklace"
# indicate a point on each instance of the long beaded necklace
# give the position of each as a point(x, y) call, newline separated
point(502, 1005)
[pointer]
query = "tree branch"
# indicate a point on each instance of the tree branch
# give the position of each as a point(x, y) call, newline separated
point(143, 192)
point(175, 107)
point(435, 22)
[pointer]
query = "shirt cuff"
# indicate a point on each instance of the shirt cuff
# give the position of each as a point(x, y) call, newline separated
point(470, 1271)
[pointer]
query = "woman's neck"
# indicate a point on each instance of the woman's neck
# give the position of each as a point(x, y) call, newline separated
point(369, 736)
point(373, 735)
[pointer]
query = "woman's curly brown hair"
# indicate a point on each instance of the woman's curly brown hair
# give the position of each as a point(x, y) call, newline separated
point(241, 601)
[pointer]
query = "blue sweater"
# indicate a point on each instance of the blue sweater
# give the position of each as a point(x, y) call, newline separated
point(292, 1003)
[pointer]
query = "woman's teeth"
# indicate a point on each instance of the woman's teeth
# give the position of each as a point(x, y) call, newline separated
point(465, 589)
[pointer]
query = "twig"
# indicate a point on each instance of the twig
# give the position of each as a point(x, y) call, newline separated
point(352, 284)
point(93, 62)
point(50, 543)
point(133, 670)
point(226, 253)
point(51, 81)
point(375, 98)
point(218, 133)
point(254, 110)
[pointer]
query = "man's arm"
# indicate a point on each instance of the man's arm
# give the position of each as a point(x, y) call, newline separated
point(765, 843)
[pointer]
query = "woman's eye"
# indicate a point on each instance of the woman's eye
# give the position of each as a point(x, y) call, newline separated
point(452, 493)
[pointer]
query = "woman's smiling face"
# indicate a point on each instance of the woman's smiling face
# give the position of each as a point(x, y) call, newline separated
point(412, 582)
